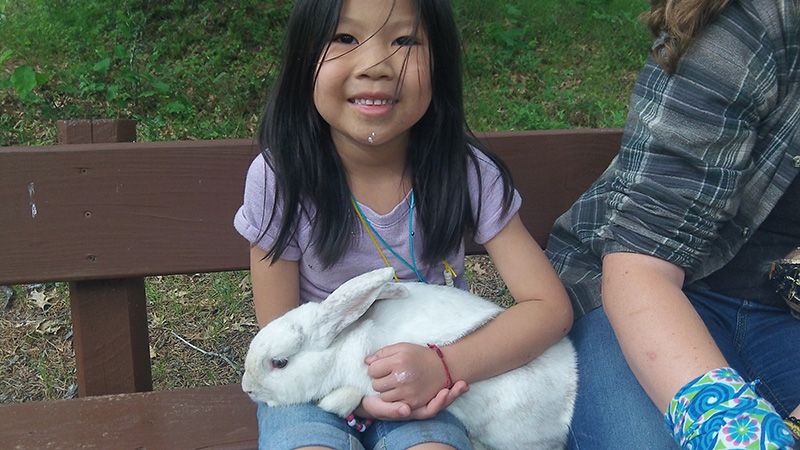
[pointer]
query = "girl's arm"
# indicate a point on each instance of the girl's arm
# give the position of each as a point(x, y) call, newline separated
point(541, 317)
point(276, 287)
point(664, 341)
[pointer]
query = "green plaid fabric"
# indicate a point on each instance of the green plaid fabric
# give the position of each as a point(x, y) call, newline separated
point(706, 154)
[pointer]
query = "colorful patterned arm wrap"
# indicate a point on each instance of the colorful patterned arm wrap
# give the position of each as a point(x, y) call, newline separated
point(719, 410)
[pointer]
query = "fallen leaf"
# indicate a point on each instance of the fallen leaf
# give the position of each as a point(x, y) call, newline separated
point(41, 300)
point(48, 326)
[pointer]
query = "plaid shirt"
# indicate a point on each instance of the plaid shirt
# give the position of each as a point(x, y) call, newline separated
point(706, 154)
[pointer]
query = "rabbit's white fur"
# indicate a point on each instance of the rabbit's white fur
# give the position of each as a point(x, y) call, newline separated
point(325, 344)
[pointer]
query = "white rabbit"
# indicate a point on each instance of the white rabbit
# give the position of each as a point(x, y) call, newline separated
point(315, 353)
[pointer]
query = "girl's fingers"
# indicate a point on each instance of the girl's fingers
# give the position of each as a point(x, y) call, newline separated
point(379, 409)
point(384, 384)
point(379, 369)
point(459, 388)
point(433, 407)
point(382, 353)
point(442, 400)
point(392, 395)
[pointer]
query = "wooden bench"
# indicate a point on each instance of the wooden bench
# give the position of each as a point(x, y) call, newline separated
point(103, 216)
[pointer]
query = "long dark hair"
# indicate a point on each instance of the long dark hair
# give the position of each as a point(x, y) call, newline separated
point(310, 178)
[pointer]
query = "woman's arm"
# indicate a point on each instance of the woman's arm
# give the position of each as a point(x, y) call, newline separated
point(276, 287)
point(664, 341)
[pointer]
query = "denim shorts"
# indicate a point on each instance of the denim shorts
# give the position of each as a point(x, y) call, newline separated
point(291, 427)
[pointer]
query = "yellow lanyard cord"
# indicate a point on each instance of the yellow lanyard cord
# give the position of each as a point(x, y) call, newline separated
point(372, 237)
point(449, 268)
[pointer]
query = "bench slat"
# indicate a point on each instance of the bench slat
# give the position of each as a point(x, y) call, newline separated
point(220, 417)
point(94, 211)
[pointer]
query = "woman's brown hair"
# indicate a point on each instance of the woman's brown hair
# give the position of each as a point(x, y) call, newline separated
point(679, 22)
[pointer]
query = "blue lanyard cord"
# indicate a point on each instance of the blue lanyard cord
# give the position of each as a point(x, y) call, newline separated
point(413, 266)
point(411, 238)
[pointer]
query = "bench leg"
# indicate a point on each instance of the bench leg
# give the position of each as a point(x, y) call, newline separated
point(109, 320)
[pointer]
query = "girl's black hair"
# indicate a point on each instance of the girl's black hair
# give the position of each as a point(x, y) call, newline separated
point(310, 178)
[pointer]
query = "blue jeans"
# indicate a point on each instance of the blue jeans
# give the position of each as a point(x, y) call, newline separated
point(290, 427)
point(612, 410)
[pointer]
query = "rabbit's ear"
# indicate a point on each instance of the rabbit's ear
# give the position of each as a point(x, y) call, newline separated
point(349, 302)
point(393, 290)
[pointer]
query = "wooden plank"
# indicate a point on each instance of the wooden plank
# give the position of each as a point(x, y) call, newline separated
point(109, 321)
point(128, 210)
point(220, 417)
point(121, 210)
point(85, 131)
point(74, 131)
point(111, 130)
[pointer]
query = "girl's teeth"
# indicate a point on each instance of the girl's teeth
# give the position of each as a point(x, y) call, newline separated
point(371, 101)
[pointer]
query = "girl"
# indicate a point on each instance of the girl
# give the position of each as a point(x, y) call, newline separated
point(367, 163)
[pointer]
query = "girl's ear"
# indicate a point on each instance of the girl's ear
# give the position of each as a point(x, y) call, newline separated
point(349, 302)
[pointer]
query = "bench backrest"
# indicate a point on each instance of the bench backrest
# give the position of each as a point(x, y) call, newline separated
point(104, 216)
point(96, 211)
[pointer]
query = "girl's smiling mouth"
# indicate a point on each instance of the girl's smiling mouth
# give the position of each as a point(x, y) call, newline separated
point(372, 101)
point(373, 105)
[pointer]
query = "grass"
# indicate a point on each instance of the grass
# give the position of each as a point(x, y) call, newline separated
point(543, 65)
point(201, 70)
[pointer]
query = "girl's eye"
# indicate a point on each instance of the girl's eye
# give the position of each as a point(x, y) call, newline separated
point(279, 363)
point(406, 40)
point(344, 39)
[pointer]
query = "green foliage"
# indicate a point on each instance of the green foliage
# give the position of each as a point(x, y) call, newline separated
point(550, 64)
point(202, 69)
point(196, 69)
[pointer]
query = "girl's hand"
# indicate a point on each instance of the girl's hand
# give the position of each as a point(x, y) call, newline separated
point(374, 408)
point(407, 373)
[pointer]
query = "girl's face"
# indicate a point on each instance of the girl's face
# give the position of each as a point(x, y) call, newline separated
point(374, 81)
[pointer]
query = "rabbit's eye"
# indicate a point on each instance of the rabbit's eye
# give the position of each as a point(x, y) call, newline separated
point(279, 363)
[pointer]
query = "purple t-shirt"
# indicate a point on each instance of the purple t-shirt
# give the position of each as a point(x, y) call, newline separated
point(317, 283)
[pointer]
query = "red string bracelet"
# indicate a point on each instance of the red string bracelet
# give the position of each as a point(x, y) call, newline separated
point(448, 382)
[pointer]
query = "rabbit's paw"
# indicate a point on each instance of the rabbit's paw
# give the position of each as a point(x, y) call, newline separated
point(341, 401)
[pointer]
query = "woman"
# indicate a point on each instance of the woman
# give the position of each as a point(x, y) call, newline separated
point(684, 227)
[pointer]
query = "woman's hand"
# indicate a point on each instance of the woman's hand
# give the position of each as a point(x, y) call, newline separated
point(406, 373)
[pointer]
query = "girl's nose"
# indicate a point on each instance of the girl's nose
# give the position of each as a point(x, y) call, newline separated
point(377, 61)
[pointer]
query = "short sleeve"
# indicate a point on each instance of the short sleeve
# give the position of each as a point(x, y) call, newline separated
point(258, 220)
point(486, 195)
